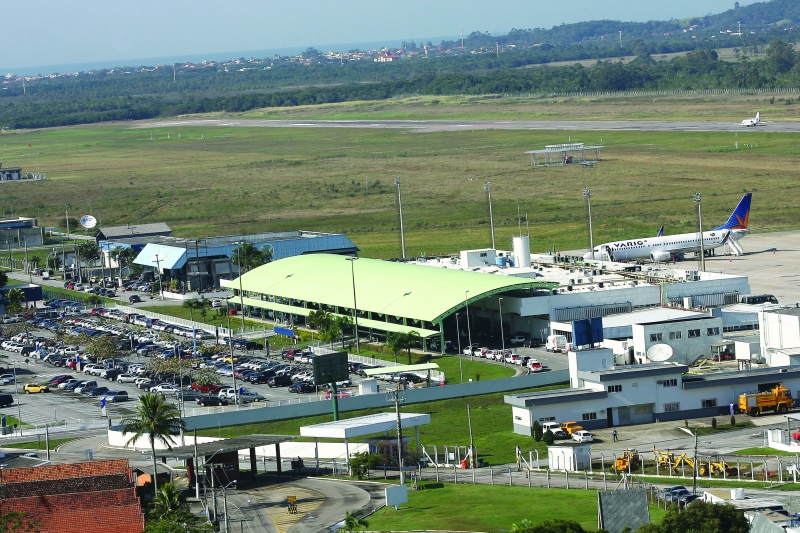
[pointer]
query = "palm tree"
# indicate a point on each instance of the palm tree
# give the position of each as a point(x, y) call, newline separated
point(352, 523)
point(394, 341)
point(191, 305)
point(248, 257)
point(94, 300)
point(169, 504)
point(15, 297)
point(409, 340)
point(158, 420)
point(340, 323)
point(123, 256)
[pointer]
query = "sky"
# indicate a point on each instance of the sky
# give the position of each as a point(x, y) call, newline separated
point(58, 32)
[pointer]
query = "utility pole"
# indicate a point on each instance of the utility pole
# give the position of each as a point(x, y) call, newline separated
point(355, 303)
point(395, 396)
point(460, 355)
point(694, 470)
point(620, 38)
point(66, 216)
point(696, 199)
point(462, 37)
point(471, 441)
point(588, 195)
point(497, 45)
point(502, 335)
point(488, 189)
point(400, 206)
point(469, 332)
point(241, 294)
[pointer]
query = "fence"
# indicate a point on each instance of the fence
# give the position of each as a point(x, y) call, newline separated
point(190, 324)
point(319, 349)
point(12, 264)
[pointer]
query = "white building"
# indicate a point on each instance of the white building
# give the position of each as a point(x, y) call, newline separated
point(569, 457)
point(780, 336)
point(688, 339)
point(603, 395)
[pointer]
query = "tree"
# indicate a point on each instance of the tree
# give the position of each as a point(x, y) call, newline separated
point(123, 256)
point(102, 348)
point(780, 57)
point(320, 320)
point(169, 504)
point(15, 297)
point(549, 526)
point(156, 419)
point(340, 324)
point(17, 522)
point(192, 305)
point(248, 257)
point(88, 251)
point(352, 523)
point(3, 278)
point(361, 463)
point(700, 518)
point(35, 261)
point(54, 262)
point(94, 300)
point(548, 437)
point(394, 341)
point(536, 431)
point(408, 340)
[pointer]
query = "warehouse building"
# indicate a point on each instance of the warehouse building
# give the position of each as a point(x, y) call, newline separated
point(604, 395)
point(16, 232)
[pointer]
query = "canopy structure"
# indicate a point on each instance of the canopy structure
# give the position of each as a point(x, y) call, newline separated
point(399, 369)
point(387, 295)
point(364, 425)
point(169, 257)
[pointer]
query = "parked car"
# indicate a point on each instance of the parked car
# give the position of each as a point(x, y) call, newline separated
point(165, 388)
point(302, 387)
point(677, 495)
point(208, 388)
point(7, 379)
point(518, 339)
point(116, 396)
point(571, 427)
point(666, 492)
point(97, 391)
point(279, 381)
point(582, 436)
point(134, 299)
point(6, 400)
point(205, 401)
point(555, 429)
point(126, 378)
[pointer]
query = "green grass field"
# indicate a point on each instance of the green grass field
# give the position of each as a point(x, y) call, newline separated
point(492, 509)
point(242, 180)
point(38, 445)
point(771, 452)
point(491, 425)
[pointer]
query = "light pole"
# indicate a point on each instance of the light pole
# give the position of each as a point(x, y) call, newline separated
point(400, 207)
point(502, 336)
point(588, 195)
point(10, 258)
point(27, 265)
point(488, 189)
point(469, 332)
point(241, 293)
point(460, 353)
point(355, 303)
point(66, 216)
point(696, 199)
point(158, 258)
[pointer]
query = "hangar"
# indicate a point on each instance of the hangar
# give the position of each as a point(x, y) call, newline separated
point(388, 296)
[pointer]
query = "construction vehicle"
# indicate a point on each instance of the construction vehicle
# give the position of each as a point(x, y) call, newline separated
point(718, 468)
point(628, 461)
point(778, 399)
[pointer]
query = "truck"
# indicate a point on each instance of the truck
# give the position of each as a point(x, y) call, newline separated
point(557, 343)
point(778, 399)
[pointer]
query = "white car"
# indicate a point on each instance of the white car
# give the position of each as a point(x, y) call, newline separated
point(217, 303)
point(126, 378)
point(582, 436)
point(165, 388)
point(519, 339)
point(63, 384)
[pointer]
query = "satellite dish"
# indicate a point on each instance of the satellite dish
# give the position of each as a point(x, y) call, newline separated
point(88, 221)
point(660, 352)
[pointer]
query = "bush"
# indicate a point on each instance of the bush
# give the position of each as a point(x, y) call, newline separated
point(548, 437)
point(536, 431)
point(713, 423)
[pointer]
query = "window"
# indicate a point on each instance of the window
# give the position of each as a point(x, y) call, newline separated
point(675, 335)
point(615, 388)
point(589, 416)
point(712, 331)
point(655, 337)
point(547, 419)
point(670, 382)
point(709, 403)
point(643, 409)
point(693, 333)
point(672, 407)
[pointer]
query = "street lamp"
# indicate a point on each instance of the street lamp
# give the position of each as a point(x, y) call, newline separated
point(241, 293)
point(27, 265)
point(502, 336)
point(696, 199)
point(469, 333)
point(400, 207)
point(66, 216)
point(460, 353)
point(10, 258)
point(588, 195)
point(158, 258)
point(355, 304)
point(488, 189)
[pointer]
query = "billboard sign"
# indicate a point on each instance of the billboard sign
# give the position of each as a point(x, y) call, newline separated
point(330, 368)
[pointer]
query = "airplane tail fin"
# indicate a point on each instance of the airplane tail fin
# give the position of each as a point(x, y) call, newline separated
point(740, 217)
point(660, 232)
point(758, 117)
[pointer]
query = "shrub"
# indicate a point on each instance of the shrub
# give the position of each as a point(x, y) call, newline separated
point(536, 431)
point(713, 423)
point(548, 437)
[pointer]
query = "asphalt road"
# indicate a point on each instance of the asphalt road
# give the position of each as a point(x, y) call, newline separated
point(431, 126)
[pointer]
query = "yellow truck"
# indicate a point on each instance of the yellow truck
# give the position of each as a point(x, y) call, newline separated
point(778, 399)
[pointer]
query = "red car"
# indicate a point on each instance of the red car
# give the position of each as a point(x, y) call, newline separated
point(208, 388)
point(59, 379)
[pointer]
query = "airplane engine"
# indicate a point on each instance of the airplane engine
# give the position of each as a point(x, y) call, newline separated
point(660, 257)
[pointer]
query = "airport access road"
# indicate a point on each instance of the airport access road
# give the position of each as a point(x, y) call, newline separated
point(433, 126)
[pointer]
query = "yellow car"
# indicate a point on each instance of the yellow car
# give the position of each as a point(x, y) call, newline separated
point(34, 388)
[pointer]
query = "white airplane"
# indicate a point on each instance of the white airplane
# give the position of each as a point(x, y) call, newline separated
point(752, 122)
point(666, 248)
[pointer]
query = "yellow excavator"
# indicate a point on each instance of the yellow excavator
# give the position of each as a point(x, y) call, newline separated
point(717, 467)
point(628, 460)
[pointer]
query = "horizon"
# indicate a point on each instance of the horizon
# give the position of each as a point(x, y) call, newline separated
point(152, 35)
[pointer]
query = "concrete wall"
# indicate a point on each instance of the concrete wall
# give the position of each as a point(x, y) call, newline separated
point(778, 332)
point(284, 412)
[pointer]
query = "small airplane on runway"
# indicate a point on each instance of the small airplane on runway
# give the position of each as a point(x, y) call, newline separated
point(752, 122)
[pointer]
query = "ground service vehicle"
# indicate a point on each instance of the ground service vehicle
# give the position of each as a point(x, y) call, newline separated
point(556, 343)
point(571, 427)
point(628, 461)
point(778, 399)
point(555, 429)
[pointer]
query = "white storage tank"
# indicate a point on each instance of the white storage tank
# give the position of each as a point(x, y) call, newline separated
point(522, 251)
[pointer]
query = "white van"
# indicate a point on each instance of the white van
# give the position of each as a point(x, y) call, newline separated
point(555, 429)
point(557, 343)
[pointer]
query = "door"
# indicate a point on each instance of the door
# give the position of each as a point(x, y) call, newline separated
point(624, 415)
point(610, 416)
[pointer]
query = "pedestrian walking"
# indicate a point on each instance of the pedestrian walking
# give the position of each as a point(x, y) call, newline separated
point(614, 434)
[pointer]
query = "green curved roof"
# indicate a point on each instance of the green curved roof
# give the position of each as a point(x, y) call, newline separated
point(385, 287)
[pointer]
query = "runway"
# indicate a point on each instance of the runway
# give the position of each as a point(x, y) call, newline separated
point(435, 126)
